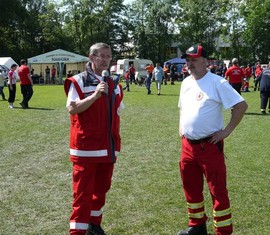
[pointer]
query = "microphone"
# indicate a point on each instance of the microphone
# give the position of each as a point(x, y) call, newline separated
point(105, 75)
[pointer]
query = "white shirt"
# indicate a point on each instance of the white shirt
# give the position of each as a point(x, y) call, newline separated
point(73, 95)
point(201, 102)
point(13, 77)
point(158, 73)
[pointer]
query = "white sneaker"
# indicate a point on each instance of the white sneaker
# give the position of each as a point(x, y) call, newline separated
point(11, 106)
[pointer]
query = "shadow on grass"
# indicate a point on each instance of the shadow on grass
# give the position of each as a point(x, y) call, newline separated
point(170, 95)
point(35, 108)
point(257, 114)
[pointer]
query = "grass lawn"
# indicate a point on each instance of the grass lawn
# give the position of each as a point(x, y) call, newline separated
point(146, 197)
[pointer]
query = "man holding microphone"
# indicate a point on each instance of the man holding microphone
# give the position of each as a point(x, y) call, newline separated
point(94, 106)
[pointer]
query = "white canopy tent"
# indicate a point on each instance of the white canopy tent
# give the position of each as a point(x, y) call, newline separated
point(7, 61)
point(60, 58)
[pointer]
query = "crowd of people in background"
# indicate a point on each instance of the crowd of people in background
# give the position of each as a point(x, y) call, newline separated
point(178, 72)
point(238, 76)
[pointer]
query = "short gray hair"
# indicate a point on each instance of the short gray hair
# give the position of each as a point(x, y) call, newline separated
point(95, 47)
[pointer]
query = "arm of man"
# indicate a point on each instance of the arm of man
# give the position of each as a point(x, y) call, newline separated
point(238, 112)
point(80, 106)
point(30, 78)
point(226, 75)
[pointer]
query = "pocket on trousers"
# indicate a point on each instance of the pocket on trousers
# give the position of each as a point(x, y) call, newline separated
point(78, 167)
point(78, 170)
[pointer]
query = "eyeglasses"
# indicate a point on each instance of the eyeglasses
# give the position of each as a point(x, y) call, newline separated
point(103, 57)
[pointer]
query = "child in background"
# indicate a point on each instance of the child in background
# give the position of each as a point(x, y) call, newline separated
point(245, 85)
point(148, 82)
point(248, 75)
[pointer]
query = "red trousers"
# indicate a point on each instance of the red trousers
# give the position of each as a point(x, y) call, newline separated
point(199, 160)
point(91, 182)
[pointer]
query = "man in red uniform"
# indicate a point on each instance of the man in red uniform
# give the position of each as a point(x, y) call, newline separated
point(235, 75)
point(26, 83)
point(203, 95)
point(94, 101)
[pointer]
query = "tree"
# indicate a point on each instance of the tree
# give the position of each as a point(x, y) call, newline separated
point(143, 29)
point(256, 35)
point(88, 22)
point(153, 31)
point(52, 35)
point(9, 27)
point(201, 22)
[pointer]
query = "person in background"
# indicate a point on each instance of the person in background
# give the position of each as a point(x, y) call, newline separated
point(148, 83)
point(12, 85)
point(32, 73)
point(26, 83)
point(2, 84)
point(150, 68)
point(127, 81)
point(69, 74)
point(158, 75)
point(219, 70)
point(132, 72)
point(47, 75)
point(248, 75)
point(166, 70)
point(224, 70)
point(202, 96)
point(253, 68)
point(258, 71)
point(235, 75)
point(173, 71)
point(185, 71)
point(53, 74)
point(94, 101)
point(212, 68)
point(264, 80)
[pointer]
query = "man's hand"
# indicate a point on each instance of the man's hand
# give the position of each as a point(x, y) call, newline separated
point(102, 88)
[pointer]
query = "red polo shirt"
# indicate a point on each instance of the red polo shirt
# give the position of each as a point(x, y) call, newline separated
point(235, 74)
point(23, 72)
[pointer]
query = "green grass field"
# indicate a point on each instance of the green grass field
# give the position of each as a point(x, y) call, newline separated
point(146, 197)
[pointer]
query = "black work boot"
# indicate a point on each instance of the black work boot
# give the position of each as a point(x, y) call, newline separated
point(94, 230)
point(197, 230)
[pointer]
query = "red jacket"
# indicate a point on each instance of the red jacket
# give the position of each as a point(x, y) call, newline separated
point(94, 133)
point(258, 71)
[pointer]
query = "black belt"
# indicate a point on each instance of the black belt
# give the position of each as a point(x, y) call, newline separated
point(206, 139)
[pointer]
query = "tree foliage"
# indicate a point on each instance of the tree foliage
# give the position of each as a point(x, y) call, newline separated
point(153, 28)
point(256, 34)
point(202, 22)
point(144, 29)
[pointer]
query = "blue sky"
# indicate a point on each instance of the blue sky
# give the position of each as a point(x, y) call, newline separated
point(127, 1)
